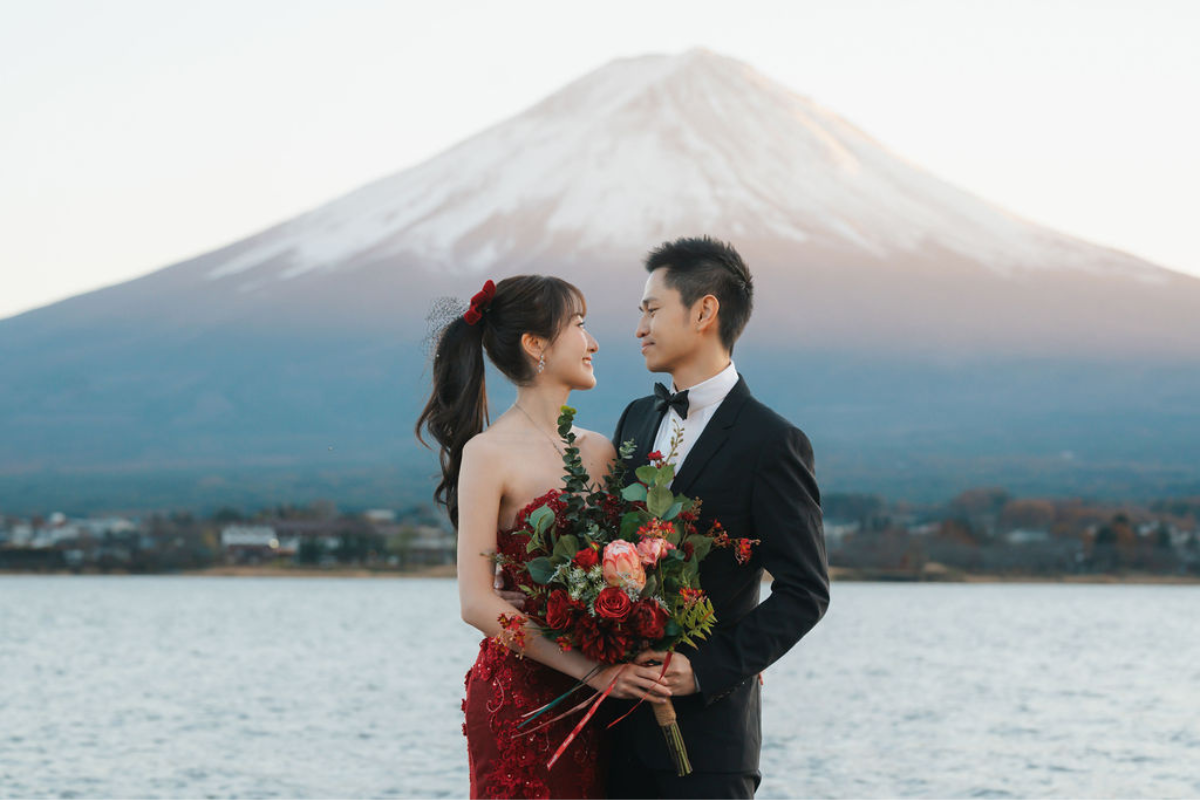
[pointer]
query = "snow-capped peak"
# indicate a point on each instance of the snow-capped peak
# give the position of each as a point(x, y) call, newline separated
point(648, 148)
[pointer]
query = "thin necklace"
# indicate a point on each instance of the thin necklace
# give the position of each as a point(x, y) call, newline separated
point(557, 449)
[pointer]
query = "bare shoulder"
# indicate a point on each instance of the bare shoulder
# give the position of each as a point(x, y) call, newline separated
point(483, 449)
point(594, 446)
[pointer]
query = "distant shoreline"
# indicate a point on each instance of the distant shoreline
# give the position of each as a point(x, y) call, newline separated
point(837, 574)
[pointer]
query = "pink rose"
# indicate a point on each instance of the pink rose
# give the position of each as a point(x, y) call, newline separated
point(623, 565)
point(652, 549)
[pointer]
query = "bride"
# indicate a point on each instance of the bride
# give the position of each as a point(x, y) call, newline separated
point(532, 329)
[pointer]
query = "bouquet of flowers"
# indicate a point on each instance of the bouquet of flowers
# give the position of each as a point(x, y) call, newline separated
point(616, 570)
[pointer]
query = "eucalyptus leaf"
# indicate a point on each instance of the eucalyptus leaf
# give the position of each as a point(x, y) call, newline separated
point(566, 546)
point(630, 523)
point(659, 500)
point(701, 545)
point(666, 475)
point(647, 474)
point(541, 570)
point(673, 511)
point(541, 519)
point(634, 492)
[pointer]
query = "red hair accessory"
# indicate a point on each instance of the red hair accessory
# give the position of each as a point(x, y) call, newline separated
point(480, 303)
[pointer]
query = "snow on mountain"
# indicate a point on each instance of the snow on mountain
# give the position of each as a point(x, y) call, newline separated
point(641, 150)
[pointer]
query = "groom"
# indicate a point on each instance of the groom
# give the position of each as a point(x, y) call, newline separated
point(753, 470)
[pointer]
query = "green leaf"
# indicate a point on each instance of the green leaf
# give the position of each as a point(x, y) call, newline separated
point(701, 545)
point(647, 474)
point(659, 500)
point(634, 492)
point(566, 546)
point(650, 587)
point(541, 570)
point(673, 511)
point(630, 523)
point(671, 629)
point(666, 475)
point(541, 519)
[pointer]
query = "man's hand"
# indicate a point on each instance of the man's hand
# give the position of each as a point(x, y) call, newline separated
point(678, 678)
point(514, 598)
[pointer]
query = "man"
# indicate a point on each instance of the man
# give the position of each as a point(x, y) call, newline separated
point(753, 471)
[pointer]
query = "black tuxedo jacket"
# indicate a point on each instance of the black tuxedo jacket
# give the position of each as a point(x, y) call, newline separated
point(753, 470)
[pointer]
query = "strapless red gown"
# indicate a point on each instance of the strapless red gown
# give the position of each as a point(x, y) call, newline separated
point(500, 688)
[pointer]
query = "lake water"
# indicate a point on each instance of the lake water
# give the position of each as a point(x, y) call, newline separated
point(223, 687)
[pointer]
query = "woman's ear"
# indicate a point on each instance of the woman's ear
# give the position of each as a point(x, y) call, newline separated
point(534, 346)
point(707, 309)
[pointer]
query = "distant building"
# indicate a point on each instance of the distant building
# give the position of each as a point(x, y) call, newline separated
point(1026, 536)
point(430, 547)
point(249, 544)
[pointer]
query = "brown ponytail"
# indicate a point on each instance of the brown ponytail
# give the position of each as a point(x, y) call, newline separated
point(458, 407)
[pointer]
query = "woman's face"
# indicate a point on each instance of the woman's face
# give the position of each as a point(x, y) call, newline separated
point(569, 358)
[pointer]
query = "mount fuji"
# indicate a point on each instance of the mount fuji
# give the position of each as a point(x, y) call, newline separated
point(925, 338)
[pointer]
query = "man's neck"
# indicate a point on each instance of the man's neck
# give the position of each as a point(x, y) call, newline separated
point(700, 370)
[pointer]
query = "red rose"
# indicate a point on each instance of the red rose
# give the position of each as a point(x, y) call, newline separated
point(648, 620)
point(586, 558)
point(560, 610)
point(613, 604)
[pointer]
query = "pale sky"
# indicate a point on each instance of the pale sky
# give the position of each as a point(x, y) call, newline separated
point(136, 134)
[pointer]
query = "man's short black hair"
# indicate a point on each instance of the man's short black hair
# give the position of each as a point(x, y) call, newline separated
point(699, 266)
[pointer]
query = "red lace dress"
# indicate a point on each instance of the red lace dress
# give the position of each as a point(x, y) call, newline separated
point(501, 687)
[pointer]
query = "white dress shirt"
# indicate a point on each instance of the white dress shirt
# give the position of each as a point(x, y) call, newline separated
point(703, 400)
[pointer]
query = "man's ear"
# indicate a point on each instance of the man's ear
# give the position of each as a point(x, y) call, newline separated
point(705, 312)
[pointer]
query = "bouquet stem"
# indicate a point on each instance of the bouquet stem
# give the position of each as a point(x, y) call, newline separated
point(665, 714)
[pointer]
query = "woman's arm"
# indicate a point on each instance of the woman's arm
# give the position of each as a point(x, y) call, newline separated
point(480, 490)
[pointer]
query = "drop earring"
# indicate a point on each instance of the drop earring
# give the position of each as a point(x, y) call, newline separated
point(542, 363)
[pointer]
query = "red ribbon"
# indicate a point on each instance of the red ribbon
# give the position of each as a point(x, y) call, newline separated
point(480, 302)
point(595, 704)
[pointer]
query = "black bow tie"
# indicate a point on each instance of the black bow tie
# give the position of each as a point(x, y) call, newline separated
point(663, 399)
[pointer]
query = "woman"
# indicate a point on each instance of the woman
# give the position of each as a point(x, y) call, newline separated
point(532, 329)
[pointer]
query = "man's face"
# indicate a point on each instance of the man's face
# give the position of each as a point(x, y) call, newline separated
point(666, 330)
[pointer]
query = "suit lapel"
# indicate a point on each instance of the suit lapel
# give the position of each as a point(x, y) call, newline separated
point(714, 436)
point(643, 431)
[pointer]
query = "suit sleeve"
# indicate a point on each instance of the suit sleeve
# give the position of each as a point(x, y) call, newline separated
point(786, 515)
point(616, 440)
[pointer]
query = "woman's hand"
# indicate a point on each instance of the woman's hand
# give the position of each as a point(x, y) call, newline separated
point(633, 682)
